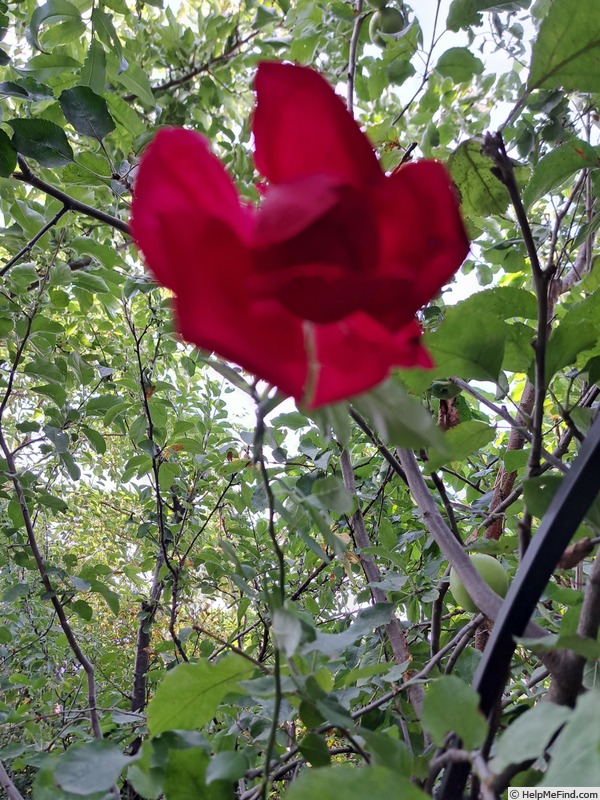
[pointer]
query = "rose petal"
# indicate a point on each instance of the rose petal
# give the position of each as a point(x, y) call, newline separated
point(213, 308)
point(302, 128)
point(423, 238)
point(316, 246)
point(355, 355)
point(179, 173)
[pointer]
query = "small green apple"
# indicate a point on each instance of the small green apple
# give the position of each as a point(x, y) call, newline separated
point(386, 20)
point(492, 572)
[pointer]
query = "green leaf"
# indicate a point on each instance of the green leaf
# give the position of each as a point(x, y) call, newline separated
point(87, 112)
point(43, 368)
point(93, 72)
point(82, 609)
point(69, 462)
point(352, 783)
point(575, 759)
point(105, 30)
point(367, 620)
point(529, 735)
point(388, 751)
point(92, 767)
point(572, 336)
point(54, 391)
point(333, 495)
point(53, 502)
point(461, 441)
point(470, 347)
point(125, 116)
point(53, 10)
point(19, 589)
point(287, 630)
point(135, 80)
point(459, 64)
point(8, 156)
point(41, 140)
point(586, 648)
point(35, 90)
point(96, 439)
point(59, 438)
point(515, 459)
point(167, 475)
point(188, 696)
point(538, 493)
point(314, 749)
point(22, 276)
point(558, 165)
point(467, 13)
point(144, 776)
point(10, 89)
point(110, 597)
point(398, 418)
point(228, 766)
point(451, 705)
point(104, 254)
point(90, 282)
point(185, 776)
point(566, 51)
point(48, 66)
point(481, 193)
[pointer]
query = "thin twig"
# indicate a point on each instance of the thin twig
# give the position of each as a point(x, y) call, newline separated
point(70, 203)
point(33, 240)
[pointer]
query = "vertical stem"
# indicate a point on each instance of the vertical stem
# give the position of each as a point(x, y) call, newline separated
point(503, 169)
point(353, 55)
point(259, 457)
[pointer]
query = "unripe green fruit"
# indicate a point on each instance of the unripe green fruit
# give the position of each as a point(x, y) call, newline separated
point(492, 572)
point(386, 20)
point(379, 4)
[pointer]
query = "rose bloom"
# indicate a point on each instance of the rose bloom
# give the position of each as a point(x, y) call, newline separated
point(316, 290)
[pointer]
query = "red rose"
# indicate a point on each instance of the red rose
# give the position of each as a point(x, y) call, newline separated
point(316, 291)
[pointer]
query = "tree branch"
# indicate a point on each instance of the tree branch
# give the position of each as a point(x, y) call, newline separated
point(70, 203)
point(483, 597)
